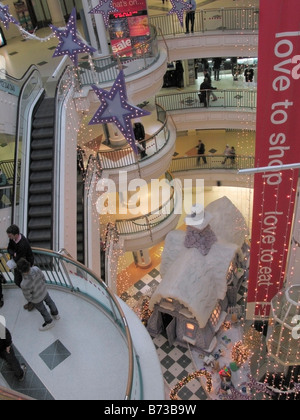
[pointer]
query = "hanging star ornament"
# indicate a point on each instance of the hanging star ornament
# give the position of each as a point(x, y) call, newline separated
point(179, 7)
point(116, 109)
point(5, 17)
point(69, 43)
point(105, 8)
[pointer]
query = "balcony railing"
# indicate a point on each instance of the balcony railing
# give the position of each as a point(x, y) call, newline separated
point(106, 69)
point(63, 272)
point(213, 162)
point(235, 98)
point(124, 157)
point(225, 19)
point(148, 222)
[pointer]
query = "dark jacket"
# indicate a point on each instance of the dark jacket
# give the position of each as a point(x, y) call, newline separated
point(7, 342)
point(201, 149)
point(139, 131)
point(21, 250)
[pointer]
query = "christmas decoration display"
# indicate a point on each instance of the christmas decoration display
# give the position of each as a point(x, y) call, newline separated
point(179, 8)
point(142, 310)
point(116, 109)
point(5, 17)
point(189, 378)
point(69, 43)
point(240, 353)
point(105, 8)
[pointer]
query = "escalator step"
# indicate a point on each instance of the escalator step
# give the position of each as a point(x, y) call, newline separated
point(44, 165)
point(40, 144)
point(46, 108)
point(38, 177)
point(40, 200)
point(39, 235)
point(42, 261)
point(44, 154)
point(40, 188)
point(42, 133)
point(40, 223)
point(41, 211)
point(43, 123)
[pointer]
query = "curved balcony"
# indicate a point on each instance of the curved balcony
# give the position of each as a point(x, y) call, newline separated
point(214, 172)
point(144, 68)
point(102, 359)
point(147, 230)
point(234, 108)
point(217, 32)
point(209, 20)
point(159, 148)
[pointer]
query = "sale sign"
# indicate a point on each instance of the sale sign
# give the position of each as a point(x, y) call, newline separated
point(129, 28)
point(277, 143)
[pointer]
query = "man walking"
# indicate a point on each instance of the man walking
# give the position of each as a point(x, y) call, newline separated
point(201, 152)
point(35, 290)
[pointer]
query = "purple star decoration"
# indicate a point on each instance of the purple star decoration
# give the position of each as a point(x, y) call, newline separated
point(5, 17)
point(105, 8)
point(179, 7)
point(69, 43)
point(116, 109)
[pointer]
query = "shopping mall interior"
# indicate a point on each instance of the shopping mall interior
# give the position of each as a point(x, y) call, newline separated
point(143, 315)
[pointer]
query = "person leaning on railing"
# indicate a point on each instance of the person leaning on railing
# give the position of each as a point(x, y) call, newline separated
point(205, 89)
point(3, 183)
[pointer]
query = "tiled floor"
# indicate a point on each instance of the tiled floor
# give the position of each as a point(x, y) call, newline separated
point(176, 361)
point(32, 386)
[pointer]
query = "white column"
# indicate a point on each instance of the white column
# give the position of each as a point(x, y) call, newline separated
point(115, 136)
point(97, 32)
point(142, 258)
point(56, 12)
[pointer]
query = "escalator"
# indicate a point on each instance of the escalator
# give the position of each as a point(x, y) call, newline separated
point(40, 192)
point(41, 182)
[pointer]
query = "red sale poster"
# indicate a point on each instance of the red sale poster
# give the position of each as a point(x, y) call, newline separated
point(129, 26)
point(277, 143)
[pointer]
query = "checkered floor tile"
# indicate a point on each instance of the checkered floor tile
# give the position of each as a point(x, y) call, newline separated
point(175, 361)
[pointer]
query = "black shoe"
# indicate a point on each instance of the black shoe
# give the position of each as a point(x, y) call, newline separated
point(1, 303)
point(24, 368)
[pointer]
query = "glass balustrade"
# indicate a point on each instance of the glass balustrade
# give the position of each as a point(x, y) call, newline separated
point(61, 271)
point(209, 20)
point(124, 157)
point(106, 69)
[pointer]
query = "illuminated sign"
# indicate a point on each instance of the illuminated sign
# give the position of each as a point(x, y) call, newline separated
point(129, 29)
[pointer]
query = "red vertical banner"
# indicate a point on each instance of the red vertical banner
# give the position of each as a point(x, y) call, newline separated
point(277, 143)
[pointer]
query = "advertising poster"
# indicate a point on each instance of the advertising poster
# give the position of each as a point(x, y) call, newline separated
point(129, 28)
point(277, 143)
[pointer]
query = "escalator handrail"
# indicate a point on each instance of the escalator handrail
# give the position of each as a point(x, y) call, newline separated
point(32, 69)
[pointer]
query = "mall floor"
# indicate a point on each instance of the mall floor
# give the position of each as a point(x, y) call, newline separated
point(134, 282)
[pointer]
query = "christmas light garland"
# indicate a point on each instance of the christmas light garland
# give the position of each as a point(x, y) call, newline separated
point(189, 378)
